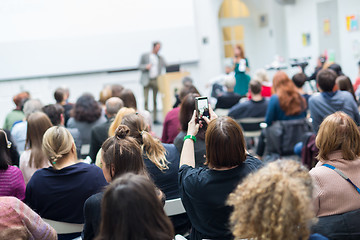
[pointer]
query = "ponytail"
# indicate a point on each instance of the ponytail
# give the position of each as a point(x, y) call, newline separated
point(154, 150)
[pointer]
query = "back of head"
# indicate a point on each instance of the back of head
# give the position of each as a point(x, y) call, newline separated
point(273, 203)
point(86, 109)
point(37, 124)
point(59, 95)
point(131, 210)
point(122, 153)
point(261, 75)
point(113, 105)
point(116, 89)
point(299, 79)
point(255, 87)
point(338, 132)
point(32, 106)
point(344, 84)
point(225, 143)
point(186, 90)
point(187, 109)
point(5, 157)
point(128, 98)
point(152, 148)
point(57, 144)
point(291, 102)
point(118, 118)
point(326, 80)
point(18, 99)
point(105, 94)
point(187, 81)
point(54, 111)
point(229, 82)
point(336, 68)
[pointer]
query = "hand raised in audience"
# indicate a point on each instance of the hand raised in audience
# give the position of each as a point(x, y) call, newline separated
point(212, 115)
point(193, 127)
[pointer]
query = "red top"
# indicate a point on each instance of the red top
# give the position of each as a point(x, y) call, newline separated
point(357, 83)
point(171, 126)
point(265, 91)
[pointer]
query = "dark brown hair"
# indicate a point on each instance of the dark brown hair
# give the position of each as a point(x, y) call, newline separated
point(131, 210)
point(59, 95)
point(37, 124)
point(152, 148)
point(344, 84)
point(116, 89)
point(291, 102)
point(5, 157)
point(86, 109)
point(122, 153)
point(54, 111)
point(186, 90)
point(225, 143)
point(299, 79)
point(326, 80)
point(128, 98)
point(255, 86)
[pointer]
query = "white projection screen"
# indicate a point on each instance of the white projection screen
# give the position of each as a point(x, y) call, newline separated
point(52, 37)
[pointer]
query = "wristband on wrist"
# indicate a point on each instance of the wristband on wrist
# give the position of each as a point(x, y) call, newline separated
point(190, 137)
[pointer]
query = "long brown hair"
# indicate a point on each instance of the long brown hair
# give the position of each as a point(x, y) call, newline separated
point(291, 102)
point(37, 124)
point(152, 148)
point(242, 53)
point(131, 210)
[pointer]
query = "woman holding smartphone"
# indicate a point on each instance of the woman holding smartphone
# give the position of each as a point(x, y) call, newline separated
point(204, 190)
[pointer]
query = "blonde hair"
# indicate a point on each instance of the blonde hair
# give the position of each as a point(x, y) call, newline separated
point(338, 132)
point(273, 203)
point(57, 143)
point(151, 147)
point(117, 121)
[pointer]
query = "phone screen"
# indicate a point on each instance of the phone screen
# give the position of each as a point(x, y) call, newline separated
point(202, 107)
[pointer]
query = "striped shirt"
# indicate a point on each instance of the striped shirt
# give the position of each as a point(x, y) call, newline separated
point(12, 183)
point(18, 221)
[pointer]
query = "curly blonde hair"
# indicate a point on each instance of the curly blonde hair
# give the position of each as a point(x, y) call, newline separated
point(273, 203)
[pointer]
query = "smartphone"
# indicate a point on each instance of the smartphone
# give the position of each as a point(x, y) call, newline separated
point(202, 107)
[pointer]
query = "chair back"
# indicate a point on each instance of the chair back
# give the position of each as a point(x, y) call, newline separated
point(251, 126)
point(64, 227)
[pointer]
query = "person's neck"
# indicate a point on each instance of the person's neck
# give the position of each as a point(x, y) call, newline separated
point(65, 162)
point(230, 90)
point(256, 97)
point(301, 91)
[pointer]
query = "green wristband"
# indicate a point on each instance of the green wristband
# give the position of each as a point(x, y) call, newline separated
point(190, 137)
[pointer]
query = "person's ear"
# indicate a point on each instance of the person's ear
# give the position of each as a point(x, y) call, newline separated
point(62, 119)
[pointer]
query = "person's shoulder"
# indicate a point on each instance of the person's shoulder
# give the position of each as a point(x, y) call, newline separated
point(253, 162)
point(94, 200)
point(344, 94)
point(169, 147)
point(15, 171)
point(314, 97)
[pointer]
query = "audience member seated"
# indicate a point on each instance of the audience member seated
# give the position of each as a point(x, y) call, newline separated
point(186, 110)
point(171, 126)
point(299, 80)
point(343, 83)
point(86, 114)
point(105, 94)
point(254, 108)
point(14, 154)
point(162, 163)
point(18, 221)
point(99, 133)
point(274, 203)
point(55, 112)
point(329, 101)
point(34, 158)
point(262, 77)
point(61, 96)
point(228, 98)
point(11, 179)
point(119, 154)
point(116, 90)
point(18, 132)
point(336, 68)
point(338, 141)
point(286, 103)
point(59, 192)
point(132, 210)
point(187, 82)
point(17, 114)
point(204, 190)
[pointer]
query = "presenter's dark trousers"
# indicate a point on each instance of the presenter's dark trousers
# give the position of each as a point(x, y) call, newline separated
point(154, 86)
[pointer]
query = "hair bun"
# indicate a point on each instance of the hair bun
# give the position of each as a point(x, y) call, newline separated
point(122, 131)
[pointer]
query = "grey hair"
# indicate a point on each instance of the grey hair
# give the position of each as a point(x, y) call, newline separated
point(32, 106)
point(113, 105)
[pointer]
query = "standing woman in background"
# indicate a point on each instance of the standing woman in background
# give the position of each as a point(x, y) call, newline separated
point(241, 68)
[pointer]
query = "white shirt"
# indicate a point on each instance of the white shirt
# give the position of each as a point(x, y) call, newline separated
point(154, 70)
